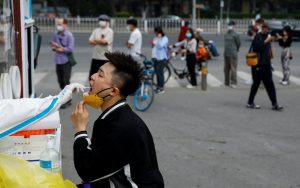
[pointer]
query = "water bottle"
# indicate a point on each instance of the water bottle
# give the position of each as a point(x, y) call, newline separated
point(50, 159)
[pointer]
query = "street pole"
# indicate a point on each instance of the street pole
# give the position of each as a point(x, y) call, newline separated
point(221, 14)
point(194, 14)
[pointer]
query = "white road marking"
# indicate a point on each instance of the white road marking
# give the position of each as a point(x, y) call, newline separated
point(213, 81)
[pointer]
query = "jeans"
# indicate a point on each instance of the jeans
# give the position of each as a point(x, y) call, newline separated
point(159, 66)
point(63, 74)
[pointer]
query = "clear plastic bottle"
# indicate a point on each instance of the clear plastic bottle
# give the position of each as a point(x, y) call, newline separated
point(50, 159)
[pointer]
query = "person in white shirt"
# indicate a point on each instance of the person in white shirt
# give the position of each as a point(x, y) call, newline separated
point(102, 40)
point(134, 43)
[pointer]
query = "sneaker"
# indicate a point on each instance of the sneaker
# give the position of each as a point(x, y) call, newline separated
point(253, 106)
point(233, 86)
point(249, 82)
point(277, 107)
point(190, 86)
point(160, 91)
point(284, 83)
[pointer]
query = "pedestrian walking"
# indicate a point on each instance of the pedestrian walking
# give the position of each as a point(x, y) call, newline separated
point(232, 44)
point(263, 71)
point(160, 57)
point(190, 48)
point(285, 42)
point(121, 152)
point(134, 43)
point(102, 40)
point(62, 44)
point(256, 29)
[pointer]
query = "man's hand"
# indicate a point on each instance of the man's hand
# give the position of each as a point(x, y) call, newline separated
point(60, 49)
point(269, 39)
point(80, 117)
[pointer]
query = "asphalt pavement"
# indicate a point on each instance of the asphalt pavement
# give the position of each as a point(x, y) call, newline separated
point(207, 138)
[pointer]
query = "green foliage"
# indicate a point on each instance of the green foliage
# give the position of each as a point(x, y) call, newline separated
point(122, 14)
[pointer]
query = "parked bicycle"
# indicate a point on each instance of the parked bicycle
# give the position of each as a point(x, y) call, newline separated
point(144, 95)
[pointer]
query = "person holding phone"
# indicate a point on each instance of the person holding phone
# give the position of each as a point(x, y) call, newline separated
point(102, 40)
point(285, 42)
point(62, 43)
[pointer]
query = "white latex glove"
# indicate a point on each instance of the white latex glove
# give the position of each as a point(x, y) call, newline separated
point(66, 94)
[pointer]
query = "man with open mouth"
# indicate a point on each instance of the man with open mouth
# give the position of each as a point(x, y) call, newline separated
point(121, 151)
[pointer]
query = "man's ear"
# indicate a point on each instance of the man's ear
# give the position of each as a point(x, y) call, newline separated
point(115, 91)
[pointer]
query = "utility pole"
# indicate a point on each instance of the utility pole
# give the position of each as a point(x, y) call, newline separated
point(194, 14)
point(221, 14)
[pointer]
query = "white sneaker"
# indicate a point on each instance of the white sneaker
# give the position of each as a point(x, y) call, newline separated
point(190, 86)
point(249, 82)
point(284, 83)
point(233, 86)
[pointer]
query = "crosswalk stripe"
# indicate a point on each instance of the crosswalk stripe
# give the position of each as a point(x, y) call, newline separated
point(79, 77)
point(38, 76)
point(213, 81)
point(244, 75)
point(293, 79)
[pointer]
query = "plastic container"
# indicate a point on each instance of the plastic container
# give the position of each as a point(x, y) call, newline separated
point(50, 158)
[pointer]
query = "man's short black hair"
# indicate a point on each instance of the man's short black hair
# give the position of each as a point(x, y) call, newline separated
point(132, 21)
point(127, 75)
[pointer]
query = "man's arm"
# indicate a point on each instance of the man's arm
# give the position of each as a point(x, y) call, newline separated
point(69, 48)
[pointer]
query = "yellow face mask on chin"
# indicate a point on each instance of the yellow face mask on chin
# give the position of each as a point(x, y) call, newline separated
point(94, 100)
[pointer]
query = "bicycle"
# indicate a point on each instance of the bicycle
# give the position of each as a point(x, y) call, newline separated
point(169, 68)
point(144, 95)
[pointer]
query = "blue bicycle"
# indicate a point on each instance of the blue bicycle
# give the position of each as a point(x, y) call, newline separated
point(144, 95)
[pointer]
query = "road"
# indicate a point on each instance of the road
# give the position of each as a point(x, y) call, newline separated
point(203, 138)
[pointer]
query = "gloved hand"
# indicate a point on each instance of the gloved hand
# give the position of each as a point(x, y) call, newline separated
point(66, 94)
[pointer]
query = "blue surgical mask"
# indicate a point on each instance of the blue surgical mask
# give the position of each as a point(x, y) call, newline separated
point(188, 35)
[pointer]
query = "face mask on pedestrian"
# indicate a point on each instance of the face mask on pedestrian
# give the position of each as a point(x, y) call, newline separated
point(188, 35)
point(60, 28)
point(94, 100)
point(102, 24)
point(128, 28)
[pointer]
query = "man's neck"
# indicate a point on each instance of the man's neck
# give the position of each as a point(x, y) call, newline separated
point(109, 103)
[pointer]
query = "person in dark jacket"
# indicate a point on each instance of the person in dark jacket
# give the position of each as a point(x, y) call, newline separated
point(121, 152)
point(263, 71)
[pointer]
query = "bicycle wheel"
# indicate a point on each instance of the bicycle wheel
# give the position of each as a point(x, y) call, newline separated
point(167, 75)
point(143, 97)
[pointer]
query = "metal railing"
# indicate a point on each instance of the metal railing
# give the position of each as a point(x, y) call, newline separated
point(86, 25)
